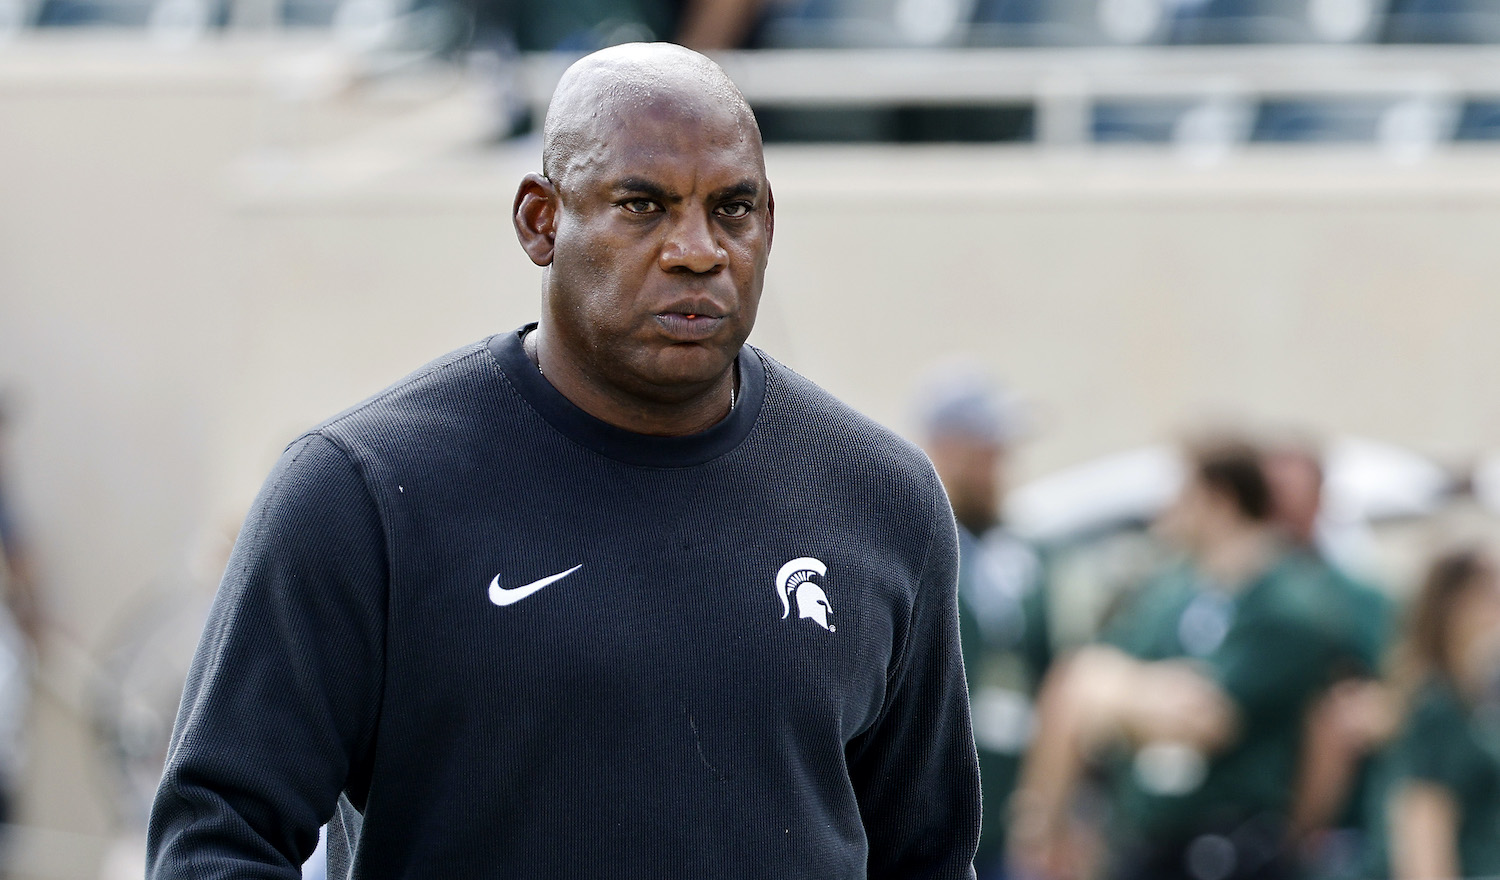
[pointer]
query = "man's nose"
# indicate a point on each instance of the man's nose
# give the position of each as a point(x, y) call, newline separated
point(691, 246)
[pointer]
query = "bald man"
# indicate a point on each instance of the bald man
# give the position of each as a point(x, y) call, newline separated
point(610, 595)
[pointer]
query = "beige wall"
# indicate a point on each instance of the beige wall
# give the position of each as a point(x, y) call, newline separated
point(192, 270)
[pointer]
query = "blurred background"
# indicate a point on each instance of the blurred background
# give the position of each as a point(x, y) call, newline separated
point(1092, 227)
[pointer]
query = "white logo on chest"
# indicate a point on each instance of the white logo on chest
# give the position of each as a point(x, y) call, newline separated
point(812, 603)
point(501, 596)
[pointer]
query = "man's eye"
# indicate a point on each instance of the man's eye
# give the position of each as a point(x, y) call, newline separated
point(735, 209)
point(639, 206)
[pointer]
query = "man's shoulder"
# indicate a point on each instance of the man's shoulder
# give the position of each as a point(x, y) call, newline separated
point(1172, 586)
point(430, 396)
point(1143, 619)
point(1436, 720)
point(1436, 700)
point(1300, 589)
point(799, 409)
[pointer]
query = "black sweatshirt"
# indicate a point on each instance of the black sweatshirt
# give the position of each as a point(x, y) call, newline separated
point(523, 643)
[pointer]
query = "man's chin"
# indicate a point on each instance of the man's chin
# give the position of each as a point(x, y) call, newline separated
point(689, 366)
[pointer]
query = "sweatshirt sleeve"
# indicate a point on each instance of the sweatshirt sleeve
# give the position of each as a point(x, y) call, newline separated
point(915, 772)
point(279, 709)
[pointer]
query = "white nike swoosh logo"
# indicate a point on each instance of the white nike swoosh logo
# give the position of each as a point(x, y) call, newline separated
point(502, 596)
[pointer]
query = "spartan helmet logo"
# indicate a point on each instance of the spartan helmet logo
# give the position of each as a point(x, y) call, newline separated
point(812, 602)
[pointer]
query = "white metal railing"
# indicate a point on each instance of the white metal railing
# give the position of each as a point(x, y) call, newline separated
point(1422, 89)
point(959, 76)
point(1423, 85)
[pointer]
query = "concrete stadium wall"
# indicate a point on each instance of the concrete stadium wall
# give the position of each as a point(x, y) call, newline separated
point(194, 268)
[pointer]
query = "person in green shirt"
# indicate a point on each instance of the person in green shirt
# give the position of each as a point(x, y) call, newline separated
point(1194, 702)
point(1440, 799)
point(1349, 721)
point(968, 428)
point(1294, 471)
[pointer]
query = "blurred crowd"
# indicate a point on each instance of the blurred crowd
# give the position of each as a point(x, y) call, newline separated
point(488, 36)
point(20, 633)
point(1249, 703)
point(1253, 707)
point(581, 25)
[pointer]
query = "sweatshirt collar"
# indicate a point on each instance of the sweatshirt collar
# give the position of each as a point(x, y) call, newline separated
point(644, 450)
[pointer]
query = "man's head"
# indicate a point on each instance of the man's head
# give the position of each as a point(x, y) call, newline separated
point(653, 218)
point(968, 425)
point(1295, 473)
point(1225, 495)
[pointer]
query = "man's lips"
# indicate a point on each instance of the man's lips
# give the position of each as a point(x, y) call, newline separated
point(689, 326)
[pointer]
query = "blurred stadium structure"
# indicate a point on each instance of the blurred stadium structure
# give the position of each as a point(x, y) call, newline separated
point(1272, 75)
point(222, 220)
point(1406, 73)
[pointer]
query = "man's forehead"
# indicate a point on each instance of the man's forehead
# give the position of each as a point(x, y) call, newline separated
point(680, 122)
point(645, 102)
point(642, 74)
point(668, 146)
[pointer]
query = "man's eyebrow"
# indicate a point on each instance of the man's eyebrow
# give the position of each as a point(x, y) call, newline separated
point(747, 188)
point(645, 187)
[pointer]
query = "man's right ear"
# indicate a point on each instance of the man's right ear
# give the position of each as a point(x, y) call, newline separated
point(535, 215)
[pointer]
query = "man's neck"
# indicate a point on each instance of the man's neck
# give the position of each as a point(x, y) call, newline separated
point(695, 413)
point(1236, 559)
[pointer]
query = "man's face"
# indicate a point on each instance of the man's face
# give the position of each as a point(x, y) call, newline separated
point(663, 233)
point(970, 469)
point(1198, 515)
point(1297, 494)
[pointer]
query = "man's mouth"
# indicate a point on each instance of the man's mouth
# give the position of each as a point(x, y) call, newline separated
point(689, 326)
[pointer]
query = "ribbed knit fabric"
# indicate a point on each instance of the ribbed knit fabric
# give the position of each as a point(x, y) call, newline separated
point(682, 703)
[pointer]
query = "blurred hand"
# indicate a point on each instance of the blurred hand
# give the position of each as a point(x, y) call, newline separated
point(1166, 700)
point(1039, 849)
point(1172, 701)
point(1348, 721)
point(1361, 712)
point(1096, 697)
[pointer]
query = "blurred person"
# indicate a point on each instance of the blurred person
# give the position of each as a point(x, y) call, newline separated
point(1194, 702)
point(1440, 803)
point(17, 570)
point(572, 25)
point(1295, 469)
point(968, 428)
point(587, 25)
point(20, 636)
point(494, 33)
point(716, 25)
point(610, 595)
point(1352, 717)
